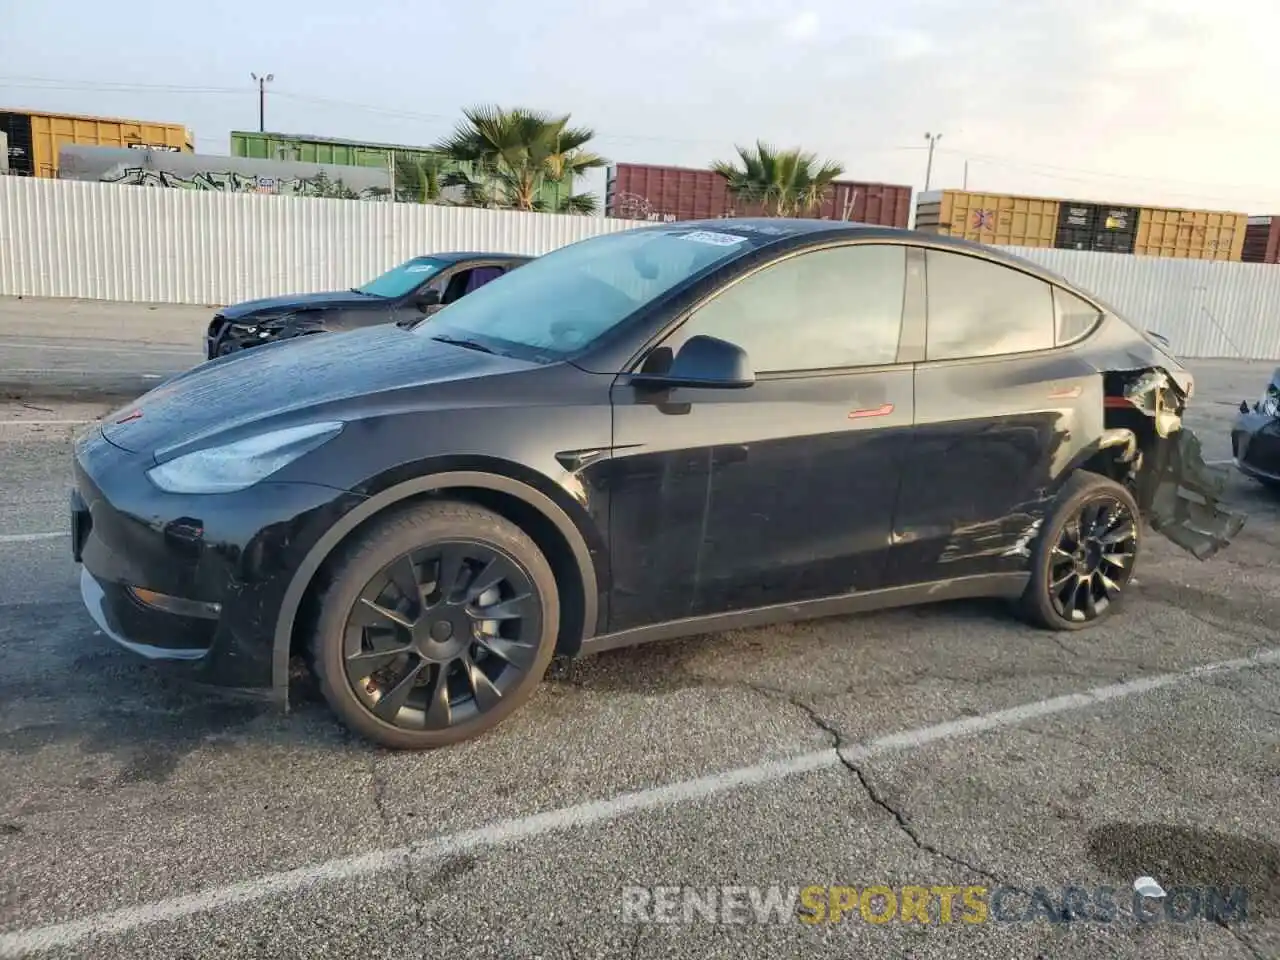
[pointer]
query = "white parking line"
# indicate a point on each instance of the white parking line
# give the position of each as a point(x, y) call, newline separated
point(1218, 463)
point(131, 349)
point(48, 423)
point(507, 832)
point(31, 537)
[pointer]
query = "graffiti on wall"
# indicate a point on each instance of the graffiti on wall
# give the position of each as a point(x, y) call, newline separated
point(231, 181)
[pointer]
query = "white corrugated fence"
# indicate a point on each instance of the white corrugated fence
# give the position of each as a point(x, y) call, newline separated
point(101, 241)
point(97, 241)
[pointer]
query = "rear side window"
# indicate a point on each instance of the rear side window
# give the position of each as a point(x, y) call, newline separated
point(1073, 317)
point(977, 308)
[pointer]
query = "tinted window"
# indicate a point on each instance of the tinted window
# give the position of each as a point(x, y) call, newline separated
point(982, 309)
point(559, 303)
point(1075, 317)
point(839, 307)
point(400, 280)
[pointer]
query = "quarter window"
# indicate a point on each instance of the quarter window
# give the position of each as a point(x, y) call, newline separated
point(981, 309)
point(827, 309)
point(1074, 317)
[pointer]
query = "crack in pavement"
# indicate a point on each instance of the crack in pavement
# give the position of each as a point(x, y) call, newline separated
point(876, 797)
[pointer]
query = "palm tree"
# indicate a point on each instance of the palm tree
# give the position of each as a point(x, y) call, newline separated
point(418, 177)
point(507, 157)
point(784, 182)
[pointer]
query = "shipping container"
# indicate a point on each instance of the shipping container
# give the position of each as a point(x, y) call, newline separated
point(35, 138)
point(1190, 234)
point(193, 171)
point(16, 128)
point(1097, 227)
point(308, 148)
point(991, 218)
point(638, 191)
point(1261, 240)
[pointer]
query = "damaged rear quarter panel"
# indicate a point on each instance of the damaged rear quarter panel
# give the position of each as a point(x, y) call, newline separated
point(996, 438)
point(1180, 495)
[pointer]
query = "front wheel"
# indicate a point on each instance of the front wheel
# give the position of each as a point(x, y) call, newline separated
point(438, 623)
point(1085, 554)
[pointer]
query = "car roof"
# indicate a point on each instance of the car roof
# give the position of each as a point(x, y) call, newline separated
point(456, 256)
point(785, 229)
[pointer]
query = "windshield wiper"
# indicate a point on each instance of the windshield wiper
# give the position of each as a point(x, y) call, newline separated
point(462, 342)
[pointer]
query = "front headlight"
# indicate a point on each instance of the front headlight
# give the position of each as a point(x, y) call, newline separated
point(236, 466)
point(1270, 403)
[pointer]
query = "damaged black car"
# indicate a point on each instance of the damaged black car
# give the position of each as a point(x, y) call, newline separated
point(667, 431)
point(1255, 436)
point(406, 294)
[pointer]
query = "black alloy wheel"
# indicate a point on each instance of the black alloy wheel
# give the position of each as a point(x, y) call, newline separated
point(438, 626)
point(1093, 558)
point(1085, 555)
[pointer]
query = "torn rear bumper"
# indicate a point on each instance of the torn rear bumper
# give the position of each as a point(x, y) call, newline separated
point(1186, 505)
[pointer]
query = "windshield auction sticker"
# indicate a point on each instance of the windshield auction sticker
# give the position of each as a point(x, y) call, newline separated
point(716, 239)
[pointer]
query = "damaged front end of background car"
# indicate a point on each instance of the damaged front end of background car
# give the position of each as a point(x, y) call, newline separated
point(1255, 437)
point(1160, 460)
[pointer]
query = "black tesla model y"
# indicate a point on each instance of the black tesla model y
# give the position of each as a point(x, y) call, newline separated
point(659, 432)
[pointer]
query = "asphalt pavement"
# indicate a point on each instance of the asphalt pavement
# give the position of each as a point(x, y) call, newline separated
point(141, 819)
point(78, 350)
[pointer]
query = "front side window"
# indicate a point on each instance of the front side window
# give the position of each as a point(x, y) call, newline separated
point(402, 280)
point(977, 308)
point(558, 304)
point(826, 309)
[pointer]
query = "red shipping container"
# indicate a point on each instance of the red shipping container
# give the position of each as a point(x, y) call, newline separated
point(649, 192)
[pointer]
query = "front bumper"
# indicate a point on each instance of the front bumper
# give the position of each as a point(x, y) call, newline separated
point(223, 562)
point(226, 337)
point(1255, 445)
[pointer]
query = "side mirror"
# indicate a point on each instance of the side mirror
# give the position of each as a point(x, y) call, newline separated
point(703, 362)
point(428, 298)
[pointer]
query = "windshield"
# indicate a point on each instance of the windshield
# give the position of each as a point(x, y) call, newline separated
point(559, 303)
point(402, 279)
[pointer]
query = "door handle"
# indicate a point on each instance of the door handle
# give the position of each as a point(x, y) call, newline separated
point(881, 411)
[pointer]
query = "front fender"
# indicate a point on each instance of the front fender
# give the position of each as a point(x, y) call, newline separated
point(397, 493)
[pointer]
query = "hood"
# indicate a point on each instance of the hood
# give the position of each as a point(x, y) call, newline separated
point(290, 376)
point(345, 299)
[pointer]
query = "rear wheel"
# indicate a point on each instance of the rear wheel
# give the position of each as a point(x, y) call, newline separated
point(439, 622)
point(1085, 554)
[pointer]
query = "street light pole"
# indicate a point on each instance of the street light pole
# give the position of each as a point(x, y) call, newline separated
point(262, 99)
point(933, 138)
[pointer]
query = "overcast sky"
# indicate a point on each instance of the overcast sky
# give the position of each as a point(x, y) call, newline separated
point(1157, 101)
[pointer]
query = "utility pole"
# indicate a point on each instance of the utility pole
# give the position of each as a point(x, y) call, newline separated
point(933, 139)
point(262, 99)
point(966, 175)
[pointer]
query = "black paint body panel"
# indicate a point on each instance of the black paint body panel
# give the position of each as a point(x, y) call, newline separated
point(685, 508)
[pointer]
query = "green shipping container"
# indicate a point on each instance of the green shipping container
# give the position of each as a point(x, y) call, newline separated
point(349, 153)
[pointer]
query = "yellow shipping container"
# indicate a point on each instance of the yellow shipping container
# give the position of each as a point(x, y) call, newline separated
point(50, 131)
point(991, 218)
point(1190, 234)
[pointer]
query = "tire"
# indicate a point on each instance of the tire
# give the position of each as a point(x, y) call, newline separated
point(438, 633)
point(1088, 498)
